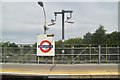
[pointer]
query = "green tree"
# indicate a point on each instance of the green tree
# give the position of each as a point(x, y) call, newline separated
point(99, 37)
point(9, 44)
point(73, 41)
point(87, 38)
point(58, 43)
point(69, 42)
point(113, 39)
point(10, 47)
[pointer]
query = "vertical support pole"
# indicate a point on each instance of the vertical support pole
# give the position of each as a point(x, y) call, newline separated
point(5, 54)
point(1, 52)
point(106, 53)
point(99, 54)
point(21, 54)
point(38, 59)
point(90, 53)
point(85, 56)
point(72, 52)
point(53, 60)
point(63, 36)
point(118, 54)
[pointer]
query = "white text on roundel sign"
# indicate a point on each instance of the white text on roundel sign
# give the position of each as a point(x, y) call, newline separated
point(45, 45)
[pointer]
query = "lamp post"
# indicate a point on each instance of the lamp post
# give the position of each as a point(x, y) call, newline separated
point(63, 15)
point(45, 27)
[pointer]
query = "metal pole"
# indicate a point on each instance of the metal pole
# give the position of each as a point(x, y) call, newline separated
point(45, 20)
point(5, 54)
point(72, 52)
point(106, 53)
point(99, 54)
point(38, 59)
point(118, 54)
point(44, 15)
point(45, 28)
point(63, 35)
point(63, 14)
point(21, 54)
point(53, 60)
point(90, 53)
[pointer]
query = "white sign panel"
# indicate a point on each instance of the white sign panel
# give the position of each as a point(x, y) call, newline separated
point(45, 45)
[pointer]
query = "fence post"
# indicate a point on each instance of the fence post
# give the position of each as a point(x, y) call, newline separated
point(118, 54)
point(72, 52)
point(53, 60)
point(38, 59)
point(99, 54)
point(106, 53)
point(1, 53)
point(90, 52)
point(21, 54)
point(5, 51)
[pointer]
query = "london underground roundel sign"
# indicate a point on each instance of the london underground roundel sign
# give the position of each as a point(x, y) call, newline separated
point(45, 48)
point(45, 45)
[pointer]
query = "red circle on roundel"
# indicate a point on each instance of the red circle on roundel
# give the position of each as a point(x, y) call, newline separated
point(45, 41)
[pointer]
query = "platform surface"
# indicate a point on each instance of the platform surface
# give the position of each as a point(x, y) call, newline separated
point(61, 70)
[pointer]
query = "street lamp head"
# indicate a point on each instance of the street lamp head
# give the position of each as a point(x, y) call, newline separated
point(51, 24)
point(45, 29)
point(69, 20)
point(40, 3)
point(52, 20)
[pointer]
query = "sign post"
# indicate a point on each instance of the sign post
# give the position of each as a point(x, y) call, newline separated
point(45, 45)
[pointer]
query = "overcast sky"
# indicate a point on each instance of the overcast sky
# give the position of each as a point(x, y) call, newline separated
point(22, 21)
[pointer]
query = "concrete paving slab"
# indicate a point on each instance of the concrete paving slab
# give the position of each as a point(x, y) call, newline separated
point(61, 70)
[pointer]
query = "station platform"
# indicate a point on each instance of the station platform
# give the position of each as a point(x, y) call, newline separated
point(61, 70)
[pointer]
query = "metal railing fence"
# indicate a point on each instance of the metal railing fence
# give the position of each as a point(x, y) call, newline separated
point(73, 55)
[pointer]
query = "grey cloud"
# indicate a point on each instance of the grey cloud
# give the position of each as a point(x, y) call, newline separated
point(25, 20)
